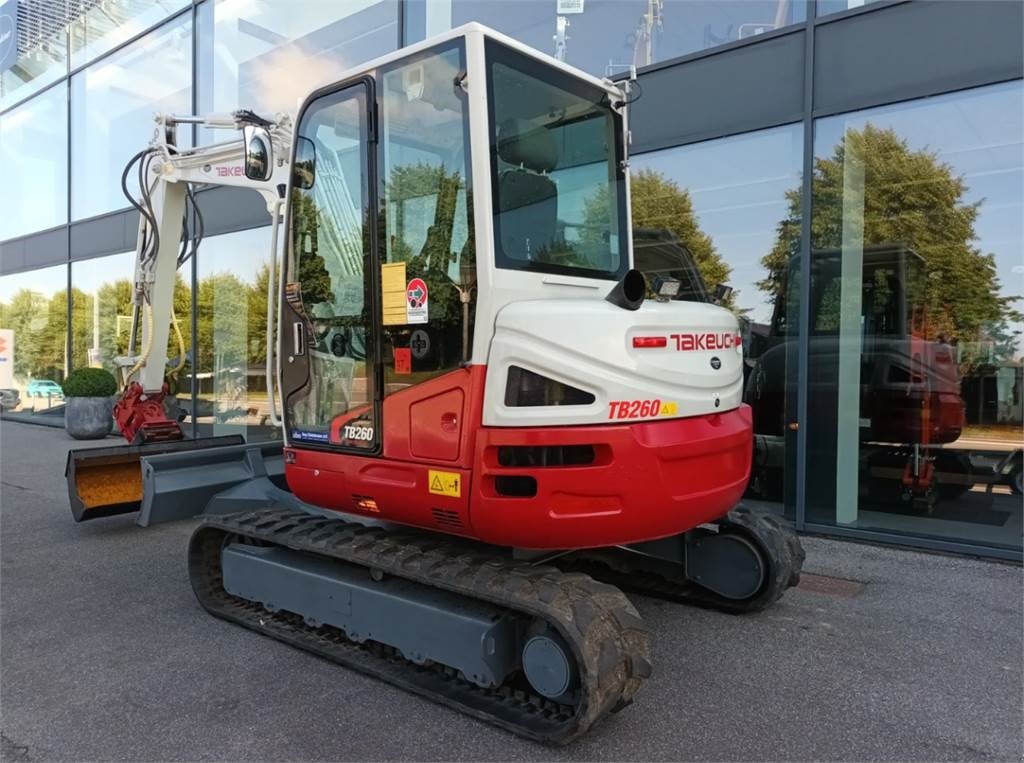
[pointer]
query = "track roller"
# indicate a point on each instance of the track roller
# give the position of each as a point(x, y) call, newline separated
point(532, 649)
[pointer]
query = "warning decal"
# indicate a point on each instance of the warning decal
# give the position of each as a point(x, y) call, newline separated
point(444, 483)
point(416, 299)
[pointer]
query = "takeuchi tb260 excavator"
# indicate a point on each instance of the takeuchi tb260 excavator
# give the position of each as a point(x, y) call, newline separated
point(490, 420)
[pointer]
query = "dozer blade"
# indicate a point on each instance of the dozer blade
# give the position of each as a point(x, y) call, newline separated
point(214, 480)
point(104, 482)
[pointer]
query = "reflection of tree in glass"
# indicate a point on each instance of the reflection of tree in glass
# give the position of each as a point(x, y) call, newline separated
point(27, 315)
point(309, 224)
point(659, 202)
point(913, 199)
point(440, 189)
point(112, 317)
point(221, 321)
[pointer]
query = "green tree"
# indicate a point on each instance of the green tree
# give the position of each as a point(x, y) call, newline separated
point(256, 297)
point(24, 314)
point(81, 327)
point(911, 199)
point(45, 349)
point(115, 299)
point(221, 322)
point(660, 202)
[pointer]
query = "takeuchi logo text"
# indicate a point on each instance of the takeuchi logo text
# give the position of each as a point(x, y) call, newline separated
point(688, 342)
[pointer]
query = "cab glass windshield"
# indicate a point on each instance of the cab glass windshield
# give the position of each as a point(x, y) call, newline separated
point(557, 181)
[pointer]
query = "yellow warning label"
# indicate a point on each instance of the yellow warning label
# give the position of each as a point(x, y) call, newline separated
point(669, 409)
point(444, 483)
point(392, 287)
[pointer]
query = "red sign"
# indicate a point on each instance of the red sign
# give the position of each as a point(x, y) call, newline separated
point(416, 293)
point(416, 298)
point(403, 361)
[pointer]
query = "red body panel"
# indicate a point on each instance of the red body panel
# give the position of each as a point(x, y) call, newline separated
point(647, 479)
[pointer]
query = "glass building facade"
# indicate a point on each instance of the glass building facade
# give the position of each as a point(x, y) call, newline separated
point(853, 170)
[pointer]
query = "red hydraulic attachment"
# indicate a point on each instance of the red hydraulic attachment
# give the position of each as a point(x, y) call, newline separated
point(141, 417)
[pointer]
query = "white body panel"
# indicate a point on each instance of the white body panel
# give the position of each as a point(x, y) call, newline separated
point(498, 287)
point(171, 171)
point(588, 344)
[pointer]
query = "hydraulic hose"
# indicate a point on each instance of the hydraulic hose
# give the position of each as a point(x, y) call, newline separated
point(181, 345)
point(149, 341)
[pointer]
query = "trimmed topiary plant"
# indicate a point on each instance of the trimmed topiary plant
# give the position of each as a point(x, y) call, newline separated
point(90, 382)
point(89, 410)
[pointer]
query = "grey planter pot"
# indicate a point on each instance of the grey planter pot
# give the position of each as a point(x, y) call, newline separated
point(89, 418)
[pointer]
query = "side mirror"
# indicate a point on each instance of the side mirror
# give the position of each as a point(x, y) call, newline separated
point(722, 293)
point(259, 152)
point(304, 169)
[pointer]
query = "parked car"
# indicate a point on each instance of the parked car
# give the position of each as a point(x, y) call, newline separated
point(9, 399)
point(44, 388)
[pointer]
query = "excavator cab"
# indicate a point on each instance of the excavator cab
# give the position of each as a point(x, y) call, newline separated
point(400, 195)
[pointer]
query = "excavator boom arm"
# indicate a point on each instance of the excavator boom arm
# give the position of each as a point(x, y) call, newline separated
point(168, 176)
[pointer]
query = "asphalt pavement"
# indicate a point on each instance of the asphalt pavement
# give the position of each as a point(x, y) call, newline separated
point(881, 654)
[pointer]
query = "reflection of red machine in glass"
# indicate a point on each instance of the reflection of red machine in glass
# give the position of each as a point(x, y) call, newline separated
point(917, 400)
point(910, 382)
point(909, 386)
point(909, 379)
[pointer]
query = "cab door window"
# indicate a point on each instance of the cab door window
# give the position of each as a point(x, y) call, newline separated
point(327, 349)
point(428, 275)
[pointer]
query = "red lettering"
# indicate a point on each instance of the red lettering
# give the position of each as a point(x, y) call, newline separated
point(688, 342)
point(637, 409)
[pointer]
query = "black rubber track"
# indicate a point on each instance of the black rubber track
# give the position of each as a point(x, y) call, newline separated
point(611, 644)
point(779, 546)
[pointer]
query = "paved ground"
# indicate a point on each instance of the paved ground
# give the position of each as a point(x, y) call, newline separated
point(106, 656)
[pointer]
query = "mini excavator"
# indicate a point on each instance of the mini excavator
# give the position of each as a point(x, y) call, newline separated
point(492, 423)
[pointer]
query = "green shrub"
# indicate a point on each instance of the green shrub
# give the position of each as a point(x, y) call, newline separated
point(90, 382)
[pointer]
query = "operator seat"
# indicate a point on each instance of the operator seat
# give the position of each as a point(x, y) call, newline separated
point(527, 197)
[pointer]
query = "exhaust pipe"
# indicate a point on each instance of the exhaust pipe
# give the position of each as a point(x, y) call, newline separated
point(629, 293)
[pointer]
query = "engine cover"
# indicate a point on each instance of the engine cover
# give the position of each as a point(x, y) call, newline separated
point(664, 360)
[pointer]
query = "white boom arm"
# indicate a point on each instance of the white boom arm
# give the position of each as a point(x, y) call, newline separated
point(168, 172)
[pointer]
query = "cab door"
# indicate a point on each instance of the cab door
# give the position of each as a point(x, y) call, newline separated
point(330, 377)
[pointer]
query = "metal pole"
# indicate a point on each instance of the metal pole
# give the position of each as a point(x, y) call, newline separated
point(803, 345)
